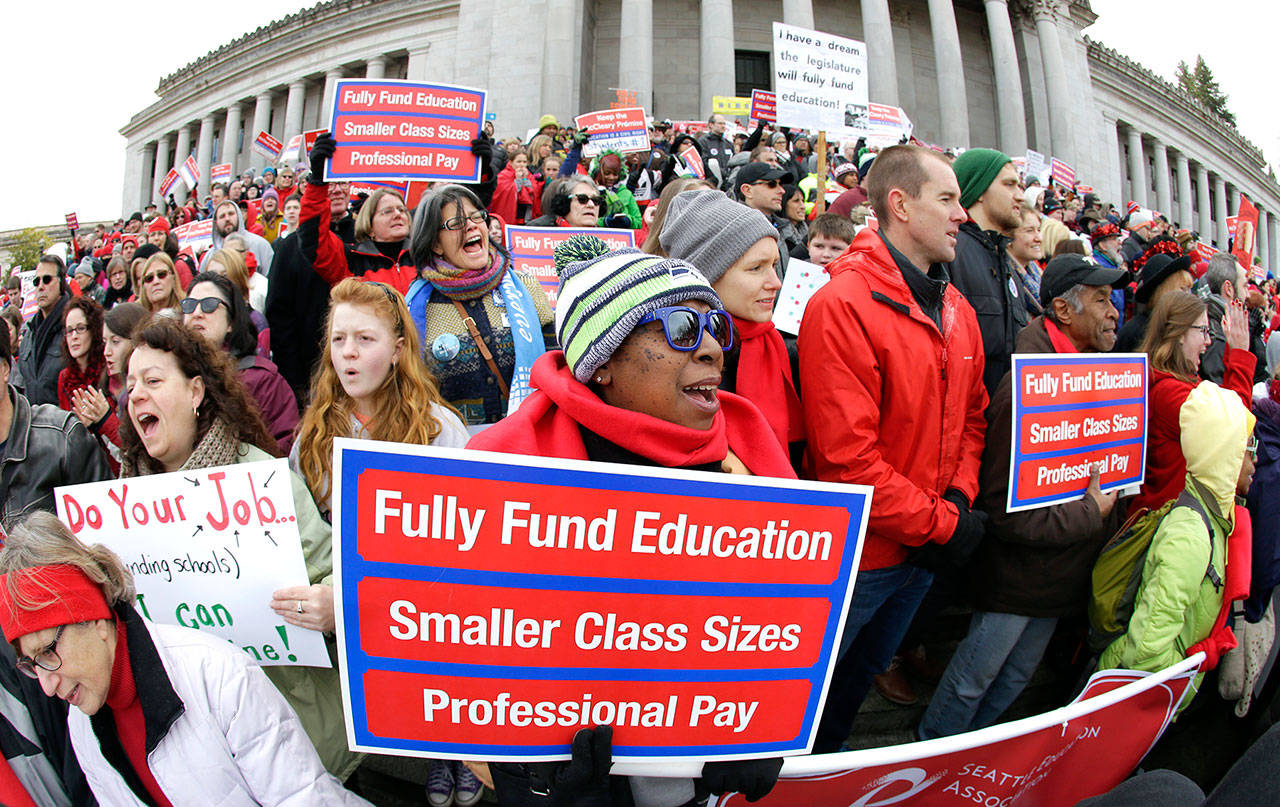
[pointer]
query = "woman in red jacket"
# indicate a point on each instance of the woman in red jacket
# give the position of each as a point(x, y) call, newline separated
point(1177, 335)
point(518, 196)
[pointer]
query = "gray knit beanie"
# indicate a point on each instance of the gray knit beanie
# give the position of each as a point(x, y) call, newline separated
point(711, 231)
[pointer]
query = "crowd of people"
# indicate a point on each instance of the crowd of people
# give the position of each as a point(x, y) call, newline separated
point(318, 313)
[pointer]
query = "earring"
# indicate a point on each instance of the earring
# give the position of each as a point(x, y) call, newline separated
point(598, 379)
point(195, 410)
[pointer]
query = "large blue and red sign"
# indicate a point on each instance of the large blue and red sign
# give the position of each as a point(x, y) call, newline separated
point(1070, 413)
point(533, 249)
point(489, 606)
point(388, 129)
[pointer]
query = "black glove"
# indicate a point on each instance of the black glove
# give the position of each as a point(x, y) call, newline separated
point(955, 553)
point(753, 778)
point(482, 147)
point(581, 138)
point(583, 781)
point(958, 499)
point(321, 151)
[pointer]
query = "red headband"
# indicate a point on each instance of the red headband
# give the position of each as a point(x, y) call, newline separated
point(73, 598)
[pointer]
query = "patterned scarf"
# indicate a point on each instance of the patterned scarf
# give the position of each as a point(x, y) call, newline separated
point(218, 447)
point(459, 284)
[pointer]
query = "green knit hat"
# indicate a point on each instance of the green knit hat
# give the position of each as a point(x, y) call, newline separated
point(604, 294)
point(976, 169)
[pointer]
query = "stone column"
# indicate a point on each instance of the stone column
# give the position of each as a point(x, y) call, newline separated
point(293, 110)
point(331, 79)
point(794, 12)
point(1009, 106)
point(231, 137)
point(1273, 244)
point(417, 68)
point(1205, 219)
point(1262, 241)
point(261, 123)
point(180, 153)
point(1233, 200)
point(635, 50)
point(557, 60)
point(1184, 191)
point(161, 168)
point(375, 67)
point(950, 69)
point(1137, 168)
point(136, 183)
point(204, 153)
point(1220, 211)
point(1062, 104)
point(882, 69)
point(716, 52)
point(1164, 198)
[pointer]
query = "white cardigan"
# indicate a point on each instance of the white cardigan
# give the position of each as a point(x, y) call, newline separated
point(236, 743)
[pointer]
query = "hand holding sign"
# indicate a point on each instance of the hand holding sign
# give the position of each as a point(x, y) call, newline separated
point(321, 153)
point(1105, 501)
point(309, 607)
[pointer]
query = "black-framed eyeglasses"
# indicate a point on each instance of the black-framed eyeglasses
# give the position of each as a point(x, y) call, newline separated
point(206, 304)
point(586, 199)
point(1204, 330)
point(458, 222)
point(76, 330)
point(46, 659)
point(41, 280)
point(683, 326)
point(1252, 447)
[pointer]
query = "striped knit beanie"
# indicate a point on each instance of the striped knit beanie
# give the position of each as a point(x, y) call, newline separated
point(604, 294)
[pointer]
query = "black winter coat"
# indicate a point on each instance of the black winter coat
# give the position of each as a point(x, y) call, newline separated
point(983, 273)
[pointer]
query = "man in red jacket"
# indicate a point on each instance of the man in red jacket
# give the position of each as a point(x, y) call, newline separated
point(891, 365)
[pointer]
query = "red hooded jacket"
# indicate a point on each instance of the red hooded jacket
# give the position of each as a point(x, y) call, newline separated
point(892, 401)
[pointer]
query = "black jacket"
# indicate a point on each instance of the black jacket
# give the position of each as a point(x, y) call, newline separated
point(1213, 362)
point(40, 354)
point(46, 447)
point(297, 303)
point(983, 274)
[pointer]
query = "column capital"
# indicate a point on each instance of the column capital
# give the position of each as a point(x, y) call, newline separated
point(900, 15)
point(335, 72)
point(299, 85)
point(264, 97)
point(207, 120)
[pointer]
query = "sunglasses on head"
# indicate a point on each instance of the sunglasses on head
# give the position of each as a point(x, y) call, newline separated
point(683, 326)
point(42, 280)
point(584, 199)
point(206, 304)
point(161, 275)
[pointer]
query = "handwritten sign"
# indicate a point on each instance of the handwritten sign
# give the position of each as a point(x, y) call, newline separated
point(798, 287)
point(490, 605)
point(1037, 167)
point(622, 130)
point(206, 549)
point(763, 106)
point(820, 81)
point(1071, 412)
point(397, 130)
point(1057, 758)
point(533, 249)
point(267, 146)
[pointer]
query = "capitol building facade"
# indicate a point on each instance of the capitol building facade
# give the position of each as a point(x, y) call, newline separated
point(1010, 74)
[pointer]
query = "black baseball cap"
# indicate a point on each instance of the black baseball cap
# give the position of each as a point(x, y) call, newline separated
point(758, 172)
point(1066, 271)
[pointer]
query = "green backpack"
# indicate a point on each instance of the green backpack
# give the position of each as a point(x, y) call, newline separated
point(1117, 572)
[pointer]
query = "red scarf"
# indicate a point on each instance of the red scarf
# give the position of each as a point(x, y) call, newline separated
point(546, 425)
point(1061, 344)
point(764, 378)
point(127, 711)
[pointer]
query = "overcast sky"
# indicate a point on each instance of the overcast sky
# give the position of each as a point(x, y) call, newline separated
point(77, 71)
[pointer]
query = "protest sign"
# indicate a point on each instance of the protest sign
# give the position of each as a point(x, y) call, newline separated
point(292, 151)
point(623, 99)
point(189, 172)
point(1071, 412)
point(197, 235)
point(170, 179)
point(820, 81)
point(1200, 251)
point(267, 146)
point(29, 307)
point(391, 129)
point(368, 187)
point(220, 173)
point(730, 105)
point(73, 223)
point(887, 125)
point(1057, 758)
point(533, 249)
point(763, 106)
point(1242, 240)
point(622, 130)
point(693, 162)
point(206, 549)
point(1037, 167)
point(489, 605)
point(309, 140)
point(1083, 189)
point(802, 280)
point(1063, 175)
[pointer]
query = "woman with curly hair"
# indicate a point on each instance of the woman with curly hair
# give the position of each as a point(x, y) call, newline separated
point(187, 410)
point(83, 362)
point(371, 384)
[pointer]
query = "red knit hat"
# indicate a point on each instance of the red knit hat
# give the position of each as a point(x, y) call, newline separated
point(158, 225)
point(67, 594)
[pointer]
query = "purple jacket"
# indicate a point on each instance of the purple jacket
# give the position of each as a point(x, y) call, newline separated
point(274, 396)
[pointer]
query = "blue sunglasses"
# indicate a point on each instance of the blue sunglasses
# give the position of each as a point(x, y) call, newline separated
point(683, 326)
